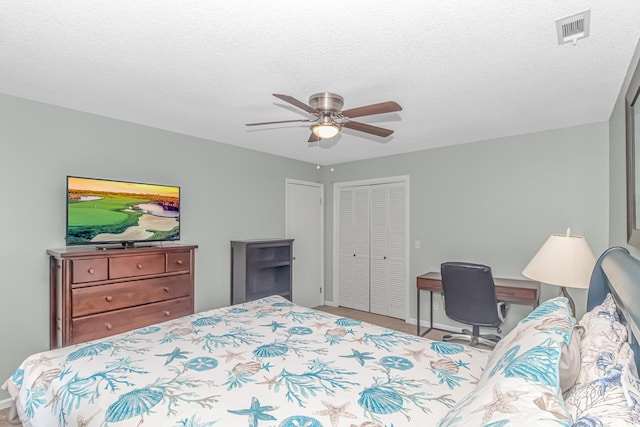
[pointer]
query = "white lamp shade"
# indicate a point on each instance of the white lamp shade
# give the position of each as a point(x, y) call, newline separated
point(563, 260)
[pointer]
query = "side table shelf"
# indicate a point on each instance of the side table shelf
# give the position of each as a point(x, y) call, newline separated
point(260, 268)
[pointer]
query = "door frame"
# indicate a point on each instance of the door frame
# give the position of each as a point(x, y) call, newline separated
point(336, 205)
point(320, 186)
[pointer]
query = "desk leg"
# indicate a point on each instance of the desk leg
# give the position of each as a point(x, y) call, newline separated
point(430, 314)
point(418, 313)
point(430, 310)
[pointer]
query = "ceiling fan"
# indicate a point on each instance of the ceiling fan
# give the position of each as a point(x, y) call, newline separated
point(329, 118)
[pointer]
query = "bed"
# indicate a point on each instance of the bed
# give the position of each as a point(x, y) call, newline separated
point(271, 363)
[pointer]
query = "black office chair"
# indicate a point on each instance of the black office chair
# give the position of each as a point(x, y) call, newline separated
point(470, 297)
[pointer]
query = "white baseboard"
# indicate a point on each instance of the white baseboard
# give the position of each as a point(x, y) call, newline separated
point(438, 326)
point(6, 403)
point(330, 303)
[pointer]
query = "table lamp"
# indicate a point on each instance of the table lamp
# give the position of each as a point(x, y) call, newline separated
point(564, 260)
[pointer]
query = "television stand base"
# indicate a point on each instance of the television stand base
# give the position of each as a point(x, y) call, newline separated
point(126, 245)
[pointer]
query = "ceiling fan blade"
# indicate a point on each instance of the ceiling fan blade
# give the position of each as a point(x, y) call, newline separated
point(369, 110)
point(313, 138)
point(279, 121)
point(291, 100)
point(363, 127)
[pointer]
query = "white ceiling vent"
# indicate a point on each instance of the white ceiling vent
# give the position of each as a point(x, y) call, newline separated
point(573, 27)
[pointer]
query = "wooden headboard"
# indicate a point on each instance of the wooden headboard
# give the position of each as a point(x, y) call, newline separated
point(617, 272)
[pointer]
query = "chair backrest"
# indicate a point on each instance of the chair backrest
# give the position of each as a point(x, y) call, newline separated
point(469, 293)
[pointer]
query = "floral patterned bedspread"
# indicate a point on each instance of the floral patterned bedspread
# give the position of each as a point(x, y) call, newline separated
point(266, 363)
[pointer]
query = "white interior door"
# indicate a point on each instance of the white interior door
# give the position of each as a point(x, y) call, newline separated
point(305, 224)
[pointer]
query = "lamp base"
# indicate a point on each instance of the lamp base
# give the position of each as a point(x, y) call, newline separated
point(572, 306)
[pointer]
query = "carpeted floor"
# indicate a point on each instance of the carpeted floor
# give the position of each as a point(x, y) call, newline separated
point(3, 419)
point(376, 319)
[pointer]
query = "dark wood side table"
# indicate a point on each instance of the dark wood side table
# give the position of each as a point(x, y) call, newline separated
point(525, 292)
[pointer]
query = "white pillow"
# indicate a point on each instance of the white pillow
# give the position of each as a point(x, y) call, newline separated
point(569, 366)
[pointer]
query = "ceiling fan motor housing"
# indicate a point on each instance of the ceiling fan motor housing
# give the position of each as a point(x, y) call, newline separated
point(325, 101)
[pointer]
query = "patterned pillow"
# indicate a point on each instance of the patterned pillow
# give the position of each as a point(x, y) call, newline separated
point(520, 384)
point(603, 401)
point(630, 382)
point(603, 337)
point(549, 321)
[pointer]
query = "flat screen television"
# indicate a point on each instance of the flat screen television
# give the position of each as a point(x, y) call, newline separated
point(102, 211)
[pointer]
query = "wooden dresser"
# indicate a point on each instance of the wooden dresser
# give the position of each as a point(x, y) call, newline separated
point(96, 293)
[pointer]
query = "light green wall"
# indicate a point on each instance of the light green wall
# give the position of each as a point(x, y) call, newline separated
point(227, 193)
point(494, 202)
point(618, 168)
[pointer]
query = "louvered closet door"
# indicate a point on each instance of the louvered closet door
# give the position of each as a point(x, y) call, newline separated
point(346, 260)
point(353, 248)
point(378, 280)
point(396, 250)
point(388, 249)
point(361, 248)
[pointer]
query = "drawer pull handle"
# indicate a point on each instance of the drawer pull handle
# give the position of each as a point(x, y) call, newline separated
point(91, 271)
point(109, 326)
point(139, 266)
point(179, 262)
point(166, 289)
point(109, 298)
point(167, 313)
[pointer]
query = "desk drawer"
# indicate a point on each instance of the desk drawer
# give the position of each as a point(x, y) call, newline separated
point(138, 265)
point(98, 299)
point(118, 321)
point(517, 295)
point(426, 284)
point(89, 270)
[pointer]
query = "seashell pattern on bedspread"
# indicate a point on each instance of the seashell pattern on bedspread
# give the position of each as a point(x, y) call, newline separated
point(266, 363)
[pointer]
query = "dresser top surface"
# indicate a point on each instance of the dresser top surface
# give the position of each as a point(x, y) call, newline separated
point(77, 251)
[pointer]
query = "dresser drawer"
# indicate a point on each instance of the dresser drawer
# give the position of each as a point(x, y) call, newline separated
point(178, 261)
point(98, 299)
point(89, 270)
point(138, 265)
point(118, 321)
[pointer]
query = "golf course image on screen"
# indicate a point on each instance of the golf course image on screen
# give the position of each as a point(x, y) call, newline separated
point(105, 211)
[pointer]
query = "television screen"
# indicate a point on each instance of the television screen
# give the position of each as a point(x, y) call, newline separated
point(104, 211)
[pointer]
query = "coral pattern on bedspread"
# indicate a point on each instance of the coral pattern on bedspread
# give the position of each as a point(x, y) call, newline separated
point(267, 363)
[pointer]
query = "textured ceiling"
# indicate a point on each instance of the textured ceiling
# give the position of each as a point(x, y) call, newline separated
point(462, 70)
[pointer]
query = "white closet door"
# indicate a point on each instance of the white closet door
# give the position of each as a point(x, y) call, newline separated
point(346, 260)
point(378, 280)
point(396, 249)
point(372, 248)
point(360, 296)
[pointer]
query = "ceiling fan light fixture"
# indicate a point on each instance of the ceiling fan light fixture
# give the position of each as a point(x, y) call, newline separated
point(325, 131)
